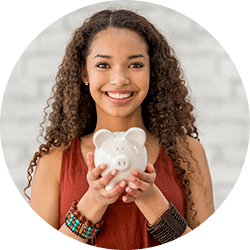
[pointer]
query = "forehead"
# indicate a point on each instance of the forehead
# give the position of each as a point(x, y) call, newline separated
point(118, 40)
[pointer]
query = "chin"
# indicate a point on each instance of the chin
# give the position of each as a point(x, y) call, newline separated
point(124, 112)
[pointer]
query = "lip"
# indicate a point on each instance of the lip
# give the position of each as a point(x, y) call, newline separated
point(119, 91)
point(119, 101)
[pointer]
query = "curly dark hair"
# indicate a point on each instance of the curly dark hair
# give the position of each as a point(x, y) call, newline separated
point(167, 111)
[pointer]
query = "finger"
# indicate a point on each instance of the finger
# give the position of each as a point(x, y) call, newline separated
point(90, 161)
point(104, 181)
point(133, 192)
point(117, 190)
point(144, 176)
point(96, 172)
point(128, 198)
point(142, 185)
point(150, 168)
point(141, 176)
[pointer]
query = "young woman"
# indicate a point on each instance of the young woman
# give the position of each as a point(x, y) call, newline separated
point(119, 72)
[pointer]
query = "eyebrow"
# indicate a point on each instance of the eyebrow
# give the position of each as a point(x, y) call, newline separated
point(130, 57)
point(103, 56)
point(136, 56)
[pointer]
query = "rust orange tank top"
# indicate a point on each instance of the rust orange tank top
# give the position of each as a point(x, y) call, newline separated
point(124, 227)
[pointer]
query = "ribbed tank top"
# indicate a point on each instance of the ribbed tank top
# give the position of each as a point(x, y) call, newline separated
point(124, 227)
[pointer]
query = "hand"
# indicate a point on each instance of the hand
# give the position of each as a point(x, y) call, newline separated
point(144, 181)
point(97, 183)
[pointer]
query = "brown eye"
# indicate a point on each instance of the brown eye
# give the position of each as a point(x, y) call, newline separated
point(103, 65)
point(137, 65)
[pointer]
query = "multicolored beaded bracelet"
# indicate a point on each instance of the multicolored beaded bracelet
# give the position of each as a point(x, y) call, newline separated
point(81, 226)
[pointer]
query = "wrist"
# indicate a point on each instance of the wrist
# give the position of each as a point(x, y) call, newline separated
point(153, 205)
point(80, 225)
point(91, 209)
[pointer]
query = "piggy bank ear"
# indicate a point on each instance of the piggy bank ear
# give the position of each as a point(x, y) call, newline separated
point(100, 136)
point(136, 135)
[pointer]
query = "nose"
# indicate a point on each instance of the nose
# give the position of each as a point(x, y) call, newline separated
point(119, 78)
point(122, 162)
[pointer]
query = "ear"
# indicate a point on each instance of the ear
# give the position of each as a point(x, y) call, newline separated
point(84, 77)
point(136, 135)
point(100, 136)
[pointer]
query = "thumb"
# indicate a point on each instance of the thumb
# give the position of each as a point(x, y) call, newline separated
point(150, 168)
point(90, 161)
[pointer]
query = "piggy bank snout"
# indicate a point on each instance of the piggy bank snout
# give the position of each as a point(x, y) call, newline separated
point(122, 162)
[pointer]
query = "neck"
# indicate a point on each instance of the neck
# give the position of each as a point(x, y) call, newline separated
point(119, 124)
point(116, 124)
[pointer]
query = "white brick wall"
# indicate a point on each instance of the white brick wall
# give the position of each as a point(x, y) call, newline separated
point(217, 91)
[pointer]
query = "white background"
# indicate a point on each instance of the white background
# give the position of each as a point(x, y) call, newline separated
point(216, 90)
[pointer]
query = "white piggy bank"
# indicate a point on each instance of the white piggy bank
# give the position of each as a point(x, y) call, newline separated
point(123, 151)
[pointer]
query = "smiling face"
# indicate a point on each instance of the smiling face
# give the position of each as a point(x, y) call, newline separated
point(118, 72)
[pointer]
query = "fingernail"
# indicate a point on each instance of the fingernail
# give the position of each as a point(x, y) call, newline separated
point(135, 173)
point(103, 166)
point(89, 155)
point(123, 184)
point(124, 198)
point(113, 172)
point(132, 178)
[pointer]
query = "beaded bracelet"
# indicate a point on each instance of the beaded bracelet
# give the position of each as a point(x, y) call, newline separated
point(169, 226)
point(81, 226)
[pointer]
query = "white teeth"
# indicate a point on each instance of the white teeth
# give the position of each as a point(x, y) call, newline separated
point(119, 96)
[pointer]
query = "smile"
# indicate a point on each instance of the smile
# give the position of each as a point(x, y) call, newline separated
point(119, 97)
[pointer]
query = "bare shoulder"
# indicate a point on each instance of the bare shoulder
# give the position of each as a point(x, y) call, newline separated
point(194, 161)
point(192, 144)
point(192, 150)
point(50, 163)
point(45, 190)
point(193, 158)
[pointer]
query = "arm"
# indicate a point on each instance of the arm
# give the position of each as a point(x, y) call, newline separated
point(200, 183)
point(148, 197)
point(90, 210)
point(151, 201)
point(46, 190)
point(152, 209)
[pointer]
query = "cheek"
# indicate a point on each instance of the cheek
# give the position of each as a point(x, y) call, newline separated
point(144, 83)
point(95, 93)
point(93, 88)
point(145, 77)
point(94, 83)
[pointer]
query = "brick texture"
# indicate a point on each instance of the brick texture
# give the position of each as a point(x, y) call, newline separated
point(216, 90)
